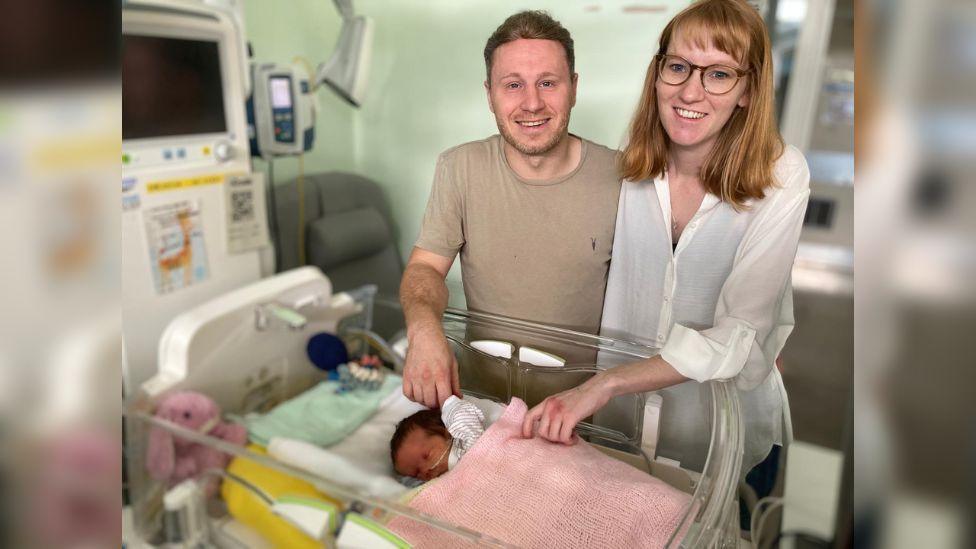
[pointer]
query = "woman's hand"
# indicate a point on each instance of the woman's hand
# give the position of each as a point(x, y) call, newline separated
point(559, 414)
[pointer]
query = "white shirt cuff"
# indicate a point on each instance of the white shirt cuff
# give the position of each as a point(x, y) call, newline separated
point(702, 359)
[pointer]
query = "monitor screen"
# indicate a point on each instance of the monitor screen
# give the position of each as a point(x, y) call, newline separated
point(170, 86)
point(281, 93)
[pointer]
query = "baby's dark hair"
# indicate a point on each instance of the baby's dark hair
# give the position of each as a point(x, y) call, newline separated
point(428, 420)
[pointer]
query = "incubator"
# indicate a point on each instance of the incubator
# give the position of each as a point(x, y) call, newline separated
point(249, 351)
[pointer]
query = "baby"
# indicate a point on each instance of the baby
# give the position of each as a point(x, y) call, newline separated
point(428, 443)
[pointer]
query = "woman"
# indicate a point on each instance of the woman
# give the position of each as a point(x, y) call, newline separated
point(707, 227)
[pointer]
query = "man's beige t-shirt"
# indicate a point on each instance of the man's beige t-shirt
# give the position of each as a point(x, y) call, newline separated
point(535, 250)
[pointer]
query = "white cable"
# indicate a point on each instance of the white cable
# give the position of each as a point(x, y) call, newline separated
point(765, 514)
point(755, 526)
point(754, 516)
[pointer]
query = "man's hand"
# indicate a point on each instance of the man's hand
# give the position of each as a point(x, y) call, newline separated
point(430, 374)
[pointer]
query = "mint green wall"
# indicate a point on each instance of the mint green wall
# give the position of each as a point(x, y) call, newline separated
point(280, 31)
point(425, 89)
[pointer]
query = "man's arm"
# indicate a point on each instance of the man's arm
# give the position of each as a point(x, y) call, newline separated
point(430, 374)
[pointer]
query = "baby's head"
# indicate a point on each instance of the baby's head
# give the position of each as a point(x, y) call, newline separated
point(420, 445)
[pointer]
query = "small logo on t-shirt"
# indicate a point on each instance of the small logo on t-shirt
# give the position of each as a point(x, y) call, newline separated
point(593, 243)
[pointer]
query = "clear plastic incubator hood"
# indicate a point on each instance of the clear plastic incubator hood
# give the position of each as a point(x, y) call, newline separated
point(296, 452)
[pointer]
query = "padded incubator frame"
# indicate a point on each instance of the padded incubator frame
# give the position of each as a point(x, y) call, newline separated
point(233, 351)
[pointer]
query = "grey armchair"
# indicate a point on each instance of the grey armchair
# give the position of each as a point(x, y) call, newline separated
point(349, 234)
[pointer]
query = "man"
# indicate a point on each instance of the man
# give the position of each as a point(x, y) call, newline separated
point(531, 211)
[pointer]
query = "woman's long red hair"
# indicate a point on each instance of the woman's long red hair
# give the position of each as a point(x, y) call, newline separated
point(740, 166)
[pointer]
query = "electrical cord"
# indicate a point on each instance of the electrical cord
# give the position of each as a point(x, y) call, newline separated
point(301, 166)
point(273, 215)
point(259, 493)
point(807, 537)
point(758, 518)
point(747, 494)
point(301, 208)
point(313, 86)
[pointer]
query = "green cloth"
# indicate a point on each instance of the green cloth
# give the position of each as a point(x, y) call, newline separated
point(320, 415)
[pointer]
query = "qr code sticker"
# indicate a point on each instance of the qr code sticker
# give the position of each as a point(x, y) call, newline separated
point(242, 206)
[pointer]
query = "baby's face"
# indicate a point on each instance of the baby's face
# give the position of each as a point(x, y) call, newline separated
point(422, 455)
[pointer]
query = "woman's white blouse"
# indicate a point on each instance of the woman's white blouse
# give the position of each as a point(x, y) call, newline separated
point(721, 304)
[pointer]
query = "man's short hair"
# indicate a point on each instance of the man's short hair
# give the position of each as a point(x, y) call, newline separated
point(531, 25)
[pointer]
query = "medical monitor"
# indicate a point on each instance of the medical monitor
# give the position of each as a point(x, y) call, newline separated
point(281, 111)
point(170, 87)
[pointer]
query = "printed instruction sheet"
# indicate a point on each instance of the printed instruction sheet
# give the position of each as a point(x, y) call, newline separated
point(176, 245)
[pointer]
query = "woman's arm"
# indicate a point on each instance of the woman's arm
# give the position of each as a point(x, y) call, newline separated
point(558, 415)
point(753, 318)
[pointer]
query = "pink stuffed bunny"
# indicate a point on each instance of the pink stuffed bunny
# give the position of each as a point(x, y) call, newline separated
point(173, 459)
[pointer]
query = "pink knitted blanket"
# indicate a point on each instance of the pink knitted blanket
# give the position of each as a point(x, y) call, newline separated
point(532, 493)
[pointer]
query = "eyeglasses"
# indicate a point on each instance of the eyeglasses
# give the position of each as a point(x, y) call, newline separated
point(716, 79)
